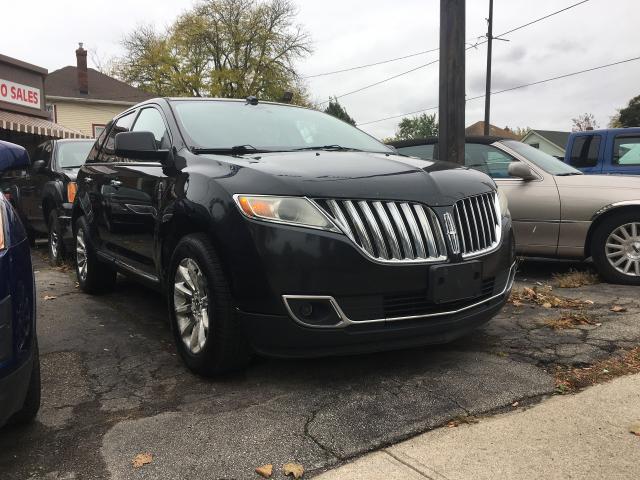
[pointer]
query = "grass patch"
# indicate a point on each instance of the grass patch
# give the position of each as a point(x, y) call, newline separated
point(574, 379)
point(575, 279)
point(570, 320)
point(544, 297)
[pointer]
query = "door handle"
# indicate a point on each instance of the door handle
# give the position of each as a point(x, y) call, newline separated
point(115, 183)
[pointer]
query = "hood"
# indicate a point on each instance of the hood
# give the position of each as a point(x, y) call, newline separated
point(326, 174)
point(70, 173)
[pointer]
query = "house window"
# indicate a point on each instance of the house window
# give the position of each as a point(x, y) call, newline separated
point(97, 129)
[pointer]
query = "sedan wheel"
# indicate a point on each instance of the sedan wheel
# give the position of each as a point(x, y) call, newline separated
point(81, 255)
point(623, 249)
point(191, 305)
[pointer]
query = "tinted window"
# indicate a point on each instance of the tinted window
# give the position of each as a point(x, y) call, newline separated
point(123, 124)
point(73, 154)
point(93, 153)
point(151, 120)
point(626, 150)
point(584, 152)
point(487, 159)
point(224, 124)
point(421, 151)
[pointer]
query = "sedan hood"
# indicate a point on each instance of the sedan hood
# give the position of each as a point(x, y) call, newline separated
point(327, 174)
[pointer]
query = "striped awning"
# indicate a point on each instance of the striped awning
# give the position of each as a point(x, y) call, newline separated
point(36, 126)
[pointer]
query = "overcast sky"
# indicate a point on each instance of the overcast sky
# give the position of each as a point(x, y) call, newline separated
point(355, 32)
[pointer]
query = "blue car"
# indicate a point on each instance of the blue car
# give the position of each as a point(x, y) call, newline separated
point(19, 361)
point(613, 151)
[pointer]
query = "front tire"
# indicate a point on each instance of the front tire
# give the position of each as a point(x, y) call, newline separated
point(93, 275)
point(56, 243)
point(615, 248)
point(205, 329)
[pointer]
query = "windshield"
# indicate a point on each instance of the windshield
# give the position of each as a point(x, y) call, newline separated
point(73, 154)
point(219, 124)
point(543, 160)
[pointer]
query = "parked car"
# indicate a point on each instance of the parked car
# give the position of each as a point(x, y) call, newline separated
point(43, 192)
point(285, 231)
point(19, 361)
point(557, 211)
point(611, 151)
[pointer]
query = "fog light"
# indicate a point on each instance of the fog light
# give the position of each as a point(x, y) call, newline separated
point(312, 311)
point(306, 309)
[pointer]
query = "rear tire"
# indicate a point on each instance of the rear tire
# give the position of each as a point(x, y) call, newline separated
point(93, 275)
point(56, 243)
point(205, 329)
point(615, 247)
point(31, 403)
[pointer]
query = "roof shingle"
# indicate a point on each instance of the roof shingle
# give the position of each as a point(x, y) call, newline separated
point(64, 83)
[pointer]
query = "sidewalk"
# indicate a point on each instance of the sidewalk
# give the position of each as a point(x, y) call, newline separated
point(583, 436)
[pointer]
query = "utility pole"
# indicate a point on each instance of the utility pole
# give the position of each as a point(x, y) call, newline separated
point(452, 71)
point(487, 97)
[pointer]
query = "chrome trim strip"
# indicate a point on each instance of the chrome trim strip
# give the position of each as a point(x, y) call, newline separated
point(402, 229)
point(497, 228)
point(606, 208)
point(388, 228)
point(346, 321)
point(337, 212)
point(478, 212)
point(456, 213)
point(373, 225)
point(362, 232)
point(428, 233)
point(415, 231)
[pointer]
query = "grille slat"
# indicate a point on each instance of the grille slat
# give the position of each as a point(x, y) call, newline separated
point(389, 231)
point(478, 223)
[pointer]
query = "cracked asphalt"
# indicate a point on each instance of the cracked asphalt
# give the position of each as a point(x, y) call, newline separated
point(113, 387)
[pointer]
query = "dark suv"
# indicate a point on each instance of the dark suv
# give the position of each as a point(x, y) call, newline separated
point(43, 193)
point(284, 231)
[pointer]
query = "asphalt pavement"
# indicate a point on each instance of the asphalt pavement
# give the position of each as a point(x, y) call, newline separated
point(113, 387)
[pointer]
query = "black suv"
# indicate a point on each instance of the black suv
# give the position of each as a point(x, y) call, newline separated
point(43, 194)
point(285, 231)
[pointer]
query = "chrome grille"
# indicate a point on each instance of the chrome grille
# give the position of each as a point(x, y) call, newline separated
point(389, 231)
point(478, 224)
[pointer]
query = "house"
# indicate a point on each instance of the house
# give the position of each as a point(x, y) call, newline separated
point(84, 99)
point(549, 141)
point(477, 129)
point(24, 118)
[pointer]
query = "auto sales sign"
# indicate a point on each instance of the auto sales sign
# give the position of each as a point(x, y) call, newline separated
point(19, 94)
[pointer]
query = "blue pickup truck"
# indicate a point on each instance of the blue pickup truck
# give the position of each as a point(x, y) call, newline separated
point(610, 151)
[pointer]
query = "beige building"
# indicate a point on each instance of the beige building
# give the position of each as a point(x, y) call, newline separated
point(84, 99)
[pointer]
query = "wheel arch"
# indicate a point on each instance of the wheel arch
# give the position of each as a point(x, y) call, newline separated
point(604, 214)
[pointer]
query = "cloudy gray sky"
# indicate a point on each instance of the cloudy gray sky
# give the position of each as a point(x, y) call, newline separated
point(355, 32)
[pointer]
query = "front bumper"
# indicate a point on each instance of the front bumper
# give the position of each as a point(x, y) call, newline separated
point(13, 388)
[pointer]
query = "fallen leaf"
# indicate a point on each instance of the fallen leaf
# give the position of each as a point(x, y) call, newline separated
point(515, 404)
point(517, 303)
point(265, 471)
point(547, 305)
point(589, 302)
point(618, 309)
point(142, 459)
point(635, 428)
point(294, 469)
point(50, 297)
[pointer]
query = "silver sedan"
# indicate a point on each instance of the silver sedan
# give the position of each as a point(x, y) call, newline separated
point(557, 211)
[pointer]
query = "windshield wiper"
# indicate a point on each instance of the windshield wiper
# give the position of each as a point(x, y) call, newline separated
point(235, 150)
point(328, 147)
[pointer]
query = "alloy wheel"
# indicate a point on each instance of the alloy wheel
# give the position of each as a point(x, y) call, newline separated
point(53, 244)
point(191, 305)
point(81, 255)
point(623, 249)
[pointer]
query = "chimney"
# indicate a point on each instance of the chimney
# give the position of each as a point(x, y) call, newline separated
point(83, 78)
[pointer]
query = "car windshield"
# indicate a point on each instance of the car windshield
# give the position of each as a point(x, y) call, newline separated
point(221, 125)
point(73, 154)
point(543, 160)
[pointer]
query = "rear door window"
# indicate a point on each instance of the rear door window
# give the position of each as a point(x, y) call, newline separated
point(487, 159)
point(585, 151)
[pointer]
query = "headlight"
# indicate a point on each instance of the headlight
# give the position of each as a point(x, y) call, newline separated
point(288, 210)
point(503, 202)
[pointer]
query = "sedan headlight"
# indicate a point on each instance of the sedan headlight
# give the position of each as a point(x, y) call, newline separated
point(288, 210)
point(503, 202)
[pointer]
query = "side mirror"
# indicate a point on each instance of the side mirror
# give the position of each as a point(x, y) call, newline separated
point(38, 166)
point(13, 157)
point(138, 145)
point(521, 170)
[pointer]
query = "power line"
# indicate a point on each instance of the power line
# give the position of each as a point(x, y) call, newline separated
point(558, 77)
point(384, 80)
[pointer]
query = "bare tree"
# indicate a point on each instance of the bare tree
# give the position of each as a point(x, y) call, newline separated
point(584, 122)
